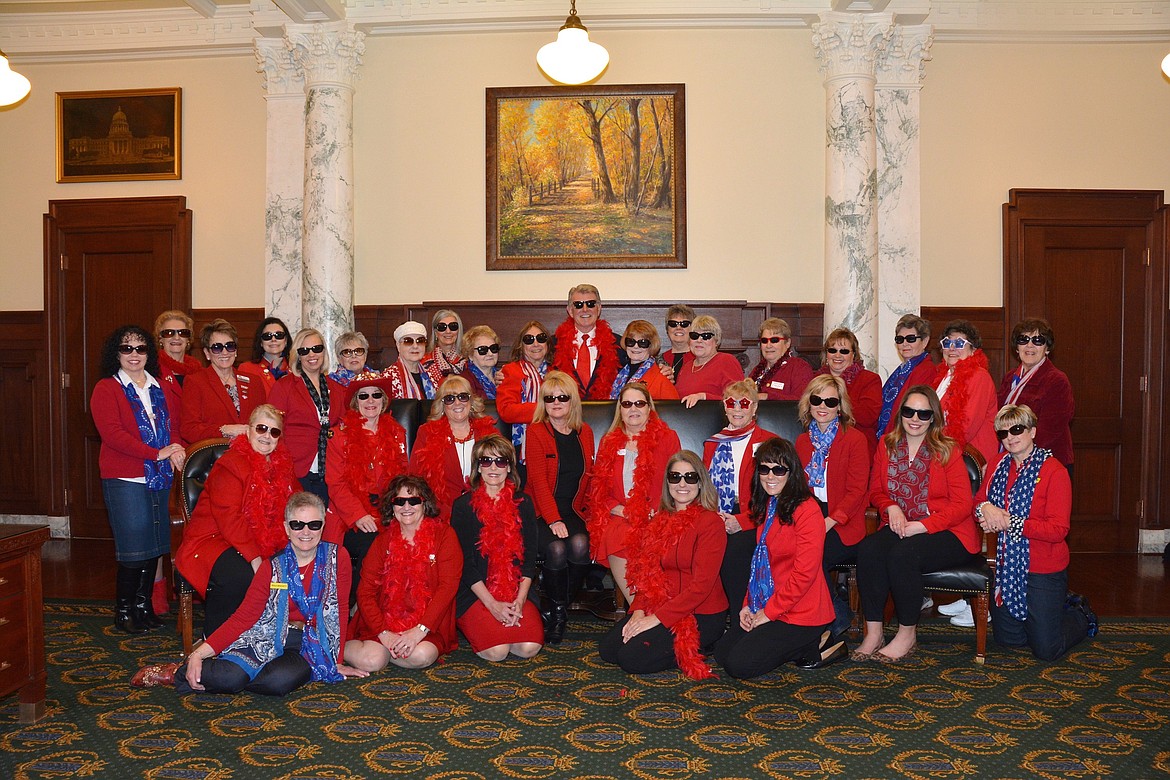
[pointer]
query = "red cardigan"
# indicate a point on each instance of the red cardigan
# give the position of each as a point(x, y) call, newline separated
point(1048, 521)
point(921, 374)
point(123, 452)
point(302, 424)
point(865, 394)
point(1050, 396)
point(747, 472)
point(692, 573)
point(509, 393)
point(543, 465)
point(847, 480)
point(795, 552)
point(348, 497)
point(948, 497)
point(207, 405)
point(711, 379)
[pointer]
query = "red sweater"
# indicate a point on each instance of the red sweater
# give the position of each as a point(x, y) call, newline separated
point(543, 466)
point(716, 374)
point(692, 573)
point(1048, 521)
point(800, 596)
point(123, 452)
point(747, 472)
point(948, 497)
point(207, 405)
point(846, 479)
point(1050, 396)
point(302, 424)
point(348, 496)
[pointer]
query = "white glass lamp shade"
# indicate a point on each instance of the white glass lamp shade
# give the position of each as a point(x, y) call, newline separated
point(1166, 64)
point(572, 58)
point(13, 86)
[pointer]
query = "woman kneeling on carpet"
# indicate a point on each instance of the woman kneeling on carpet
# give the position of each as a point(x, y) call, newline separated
point(290, 628)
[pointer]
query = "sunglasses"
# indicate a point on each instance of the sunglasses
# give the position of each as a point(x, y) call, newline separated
point(352, 352)
point(274, 335)
point(771, 339)
point(408, 341)
point(451, 398)
point(695, 336)
point(675, 477)
point(492, 348)
point(828, 403)
point(126, 349)
point(314, 525)
point(678, 323)
point(908, 339)
point(534, 338)
point(404, 500)
point(583, 304)
point(377, 395)
point(302, 351)
point(443, 327)
point(742, 403)
point(764, 470)
point(640, 404)
point(839, 351)
point(642, 343)
point(1015, 430)
point(1039, 341)
point(170, 333)
point(562, 398)
point(226, 346)
point(926, 415)
point(953, 343)
point(486, 460)
point(271, 431)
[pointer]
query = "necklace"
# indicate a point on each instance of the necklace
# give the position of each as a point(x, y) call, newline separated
point(463, 439)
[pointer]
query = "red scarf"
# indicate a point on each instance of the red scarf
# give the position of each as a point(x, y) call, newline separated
point(430, 460)
point(648, 577)
point(270, 482)
point(564, 359)
point(404, 583)
point(368, 451)
point(499, 540)
point(638, 503)
point(954, 403)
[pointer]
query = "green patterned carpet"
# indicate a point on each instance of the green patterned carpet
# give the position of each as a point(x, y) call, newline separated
point(1104, 711)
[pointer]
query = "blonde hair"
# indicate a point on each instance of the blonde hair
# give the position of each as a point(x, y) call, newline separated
point(173, 314)
point(298, 342)
point(817, 385)
point(704, 323)
point(473, 333)
point(744, 388)
point(777, 326)
point(554, 383)
point(454, 385)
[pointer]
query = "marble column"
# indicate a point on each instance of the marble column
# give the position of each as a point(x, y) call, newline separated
point(284, 94)
point(329, 56)
point(848, 46)
point(899, 81)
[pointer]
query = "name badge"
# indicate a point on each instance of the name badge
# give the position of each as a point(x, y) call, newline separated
point(622, 452)
point(776, 385)
point(278, 586)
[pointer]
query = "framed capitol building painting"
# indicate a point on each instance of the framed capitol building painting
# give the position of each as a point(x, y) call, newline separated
point(120, 135)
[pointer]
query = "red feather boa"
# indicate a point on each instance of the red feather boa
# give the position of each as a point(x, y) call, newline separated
point(954, 403)
point(370, 454)
point(648, 578)
point(565, 359)
point(430, 460)
point(639, 502)
point(271, 481)
point(404, 582)
point(499, 540)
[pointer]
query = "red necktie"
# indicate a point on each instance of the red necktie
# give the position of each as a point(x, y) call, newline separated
point(583, 371)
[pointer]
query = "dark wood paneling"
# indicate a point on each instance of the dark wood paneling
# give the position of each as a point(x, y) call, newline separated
point(24, 430)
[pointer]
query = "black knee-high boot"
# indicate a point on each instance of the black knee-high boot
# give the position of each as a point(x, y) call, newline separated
point(556, 587)
point(577, 575)
point(143, 604)
point(125, 590)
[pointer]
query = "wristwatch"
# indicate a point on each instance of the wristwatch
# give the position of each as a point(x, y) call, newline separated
point(423, 629)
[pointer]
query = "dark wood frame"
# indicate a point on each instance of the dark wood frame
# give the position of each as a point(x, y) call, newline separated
point(76, 110)
point(677, 259)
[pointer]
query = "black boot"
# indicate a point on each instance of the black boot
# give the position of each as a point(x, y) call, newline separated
point(556, 588)
point(143, 603)
point(577, 575)
point(126, 588)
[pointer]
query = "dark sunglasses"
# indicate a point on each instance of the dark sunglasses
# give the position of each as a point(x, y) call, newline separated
point(678, 323)
point(695, 336)
point(273, 432)
point(443, 327)
point(562, 398)
point(170, 333)
point(640, 404)
point(771, 339)
point(926, 415)
point(408, 341)
point(492, 348)
point(352, 352)
point(314, 525)
point(829, 403)
point(302, 351)
point(274, 335)
point(643, 343)
point(486, 460)
point(1015, 430)
point(404, 500)
point(675, 477)
point(533, 338)
point(583, 304)
point(764, 470)
point(126, 349)
point(908, 339)
point(377, 395)
point(742, 403)
point(839, 350)
point(451, 398)
point(227, 346)
point(1039, 341)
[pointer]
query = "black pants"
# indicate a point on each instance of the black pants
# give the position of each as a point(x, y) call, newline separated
point(279, 677)
point(747, 654)
point(888, 565)
point(230, 577)
point(736, 569)
point(653, 651)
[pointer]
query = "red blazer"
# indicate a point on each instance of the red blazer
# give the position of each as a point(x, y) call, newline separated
point(1046, 528)
point(543, 465)
point(123, 451)
point(667, 447)
point(865, 394)
point(847, 480)
point(948, 497)
point(207, 405)
point(789, 381)
point(692, 573)
point(261, 373)
point(747, 472)
point(800, 597)
point(509, 393)
point(1050, 396)
point(444, 575)
point(347, 497)
point(922, 374)
point(302, 425)
point(171, 375)
point(722, 370)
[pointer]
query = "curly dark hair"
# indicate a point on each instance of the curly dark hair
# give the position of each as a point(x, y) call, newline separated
point(258, 343)
point(795, 491)
point(413, 484)
point(110, 365)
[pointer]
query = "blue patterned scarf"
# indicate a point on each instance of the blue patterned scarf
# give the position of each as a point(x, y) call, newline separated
point(892, 387)
point(343, 376)
point(821, 441)
point(1012, 552)
point(624, 376)
point(722, 467)
point(319, 606)
point(761, 585)
point(486, 383)
point(158, 472)
point(529, 387)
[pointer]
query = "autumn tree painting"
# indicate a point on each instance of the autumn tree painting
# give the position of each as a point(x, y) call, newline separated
point(586, 177)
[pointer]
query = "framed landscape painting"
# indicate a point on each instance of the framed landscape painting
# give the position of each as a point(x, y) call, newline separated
point(119, 135)
point(586, 177)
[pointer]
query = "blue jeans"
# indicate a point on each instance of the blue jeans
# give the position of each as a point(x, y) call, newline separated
point(1050, 630)
point(139, 519)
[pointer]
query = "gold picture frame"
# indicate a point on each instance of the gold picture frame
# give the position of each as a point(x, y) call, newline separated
point(120, 135)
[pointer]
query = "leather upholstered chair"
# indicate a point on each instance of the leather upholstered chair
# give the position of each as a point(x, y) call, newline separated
point(201, 456)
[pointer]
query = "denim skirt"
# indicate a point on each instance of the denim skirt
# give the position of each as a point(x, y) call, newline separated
point(139, 518)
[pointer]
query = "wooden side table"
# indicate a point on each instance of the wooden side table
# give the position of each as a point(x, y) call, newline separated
point(22, 618)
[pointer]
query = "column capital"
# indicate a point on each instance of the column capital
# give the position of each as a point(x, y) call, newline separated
point(327, 53)
point(278, 71)
point(849, 45)
point(904, 63)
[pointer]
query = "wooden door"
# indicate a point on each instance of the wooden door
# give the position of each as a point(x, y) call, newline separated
point(1082, 260)
point(108, 263)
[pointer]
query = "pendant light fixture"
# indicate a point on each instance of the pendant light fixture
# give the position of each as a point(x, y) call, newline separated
point(13, 86)
point(572, 58)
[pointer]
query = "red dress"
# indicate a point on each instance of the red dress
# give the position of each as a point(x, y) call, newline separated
point(847, 480)
point(435, 459)
point(302, 423)
point(785, 381)
point(544, 466)
point(207, 405)
point(361, 464)
point(969, 404)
